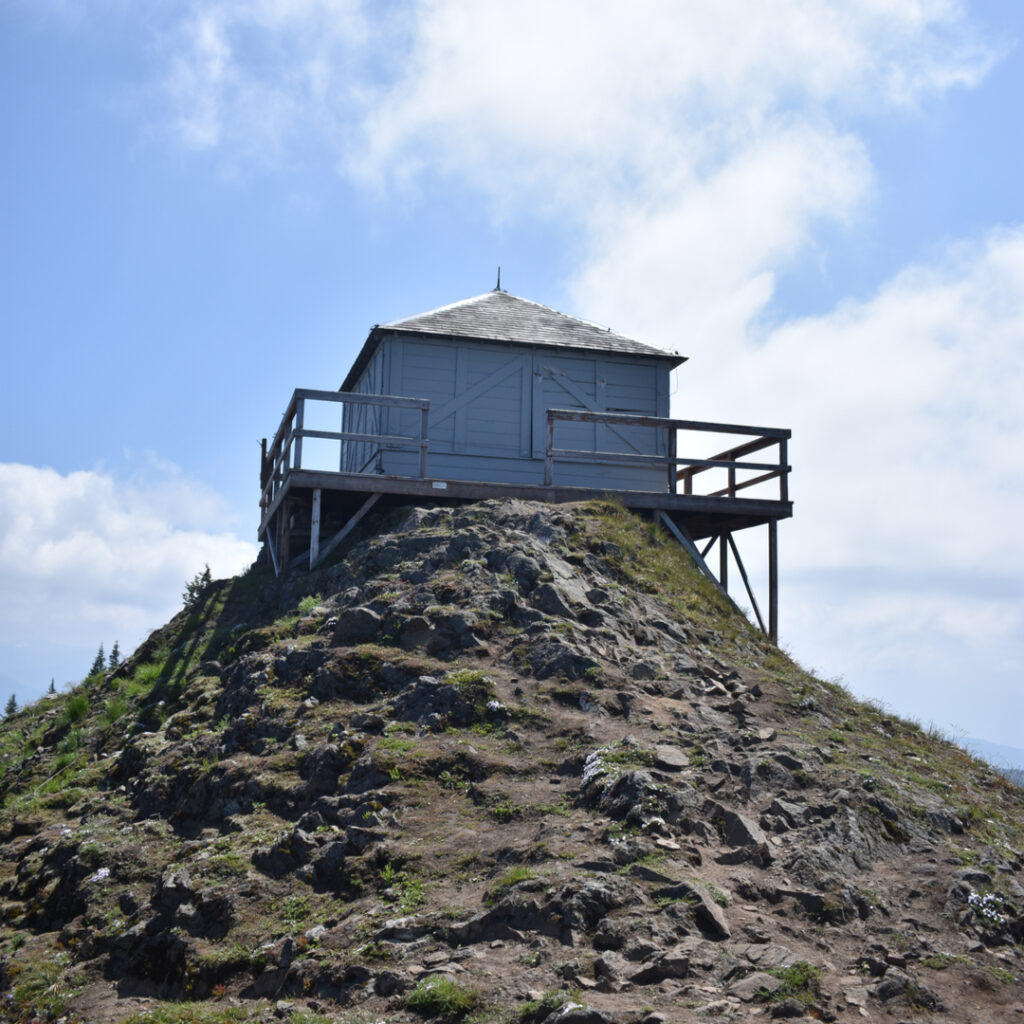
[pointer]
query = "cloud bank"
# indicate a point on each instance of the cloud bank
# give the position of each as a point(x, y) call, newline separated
point(86, 558)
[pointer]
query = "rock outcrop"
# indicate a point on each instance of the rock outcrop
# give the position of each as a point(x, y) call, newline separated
point(513, 760)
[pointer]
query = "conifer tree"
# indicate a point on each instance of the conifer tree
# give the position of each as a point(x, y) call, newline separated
point(115, 657)
point(12, 705)
point(196, 587)
point(53, 688)
point(99, 663)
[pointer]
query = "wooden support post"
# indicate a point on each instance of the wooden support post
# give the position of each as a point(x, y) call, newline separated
point(707, 547)
point(773, 580)
point(349, 526)
point(269, 537)
point(284, 552)
point(746, 583)
point(314, 528)
point(723, 561)
point(684, 538)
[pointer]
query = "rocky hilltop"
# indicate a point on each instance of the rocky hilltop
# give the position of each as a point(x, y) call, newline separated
point(502, 763)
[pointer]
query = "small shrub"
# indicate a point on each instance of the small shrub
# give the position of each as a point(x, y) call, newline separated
point(442, 997)
point(800, 981)
point(506, 811)
point(113, 710)
point(76, 708)
point(308, 603)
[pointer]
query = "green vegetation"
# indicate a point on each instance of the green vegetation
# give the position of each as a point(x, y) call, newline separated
point(800, 981)
point(196, 588)
point(113, 710)
point(940, 961)
point(99, 664)
point(38, 988)
point(403, 888)
point(442, 997)
point(505, 811)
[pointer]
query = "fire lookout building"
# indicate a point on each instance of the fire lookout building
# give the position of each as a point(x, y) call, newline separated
point(498, 396)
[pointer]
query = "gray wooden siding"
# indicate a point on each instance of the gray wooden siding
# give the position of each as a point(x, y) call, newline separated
point(360, 457)
point(488, 415)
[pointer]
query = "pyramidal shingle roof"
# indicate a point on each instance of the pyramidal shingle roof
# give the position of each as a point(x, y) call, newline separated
point(500, 316)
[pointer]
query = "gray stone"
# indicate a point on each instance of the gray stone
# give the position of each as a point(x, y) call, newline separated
point(894, 983)
point(753, 986)
point(670, 759)
point(737, 829)
point(356, 626)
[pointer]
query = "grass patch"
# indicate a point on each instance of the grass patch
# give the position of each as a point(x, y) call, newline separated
point(38, 988)
point(114, 709)
point(442, 997)
point(800, 981)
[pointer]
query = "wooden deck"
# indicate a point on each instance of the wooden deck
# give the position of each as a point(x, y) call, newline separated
point(307, 511)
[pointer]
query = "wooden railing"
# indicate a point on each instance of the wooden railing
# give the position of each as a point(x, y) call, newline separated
point(285, 451)
point(728, 460)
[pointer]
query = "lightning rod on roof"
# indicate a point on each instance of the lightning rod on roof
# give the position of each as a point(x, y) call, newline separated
point(497, 287)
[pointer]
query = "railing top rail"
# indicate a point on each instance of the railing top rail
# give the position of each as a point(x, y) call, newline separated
point(359, 398)
point(630, 419)
point(341, 397)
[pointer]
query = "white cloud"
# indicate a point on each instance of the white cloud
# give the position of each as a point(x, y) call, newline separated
point(253, 78)
point(903, 566)
point(85, 558)
point(693, 150)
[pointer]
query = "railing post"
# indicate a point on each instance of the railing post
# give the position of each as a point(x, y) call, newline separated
point(732, 481)
point(424, 434)
point(300, 413)
point(549, 469)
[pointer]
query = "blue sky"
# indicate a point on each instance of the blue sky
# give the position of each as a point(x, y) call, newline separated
point(206, 204)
